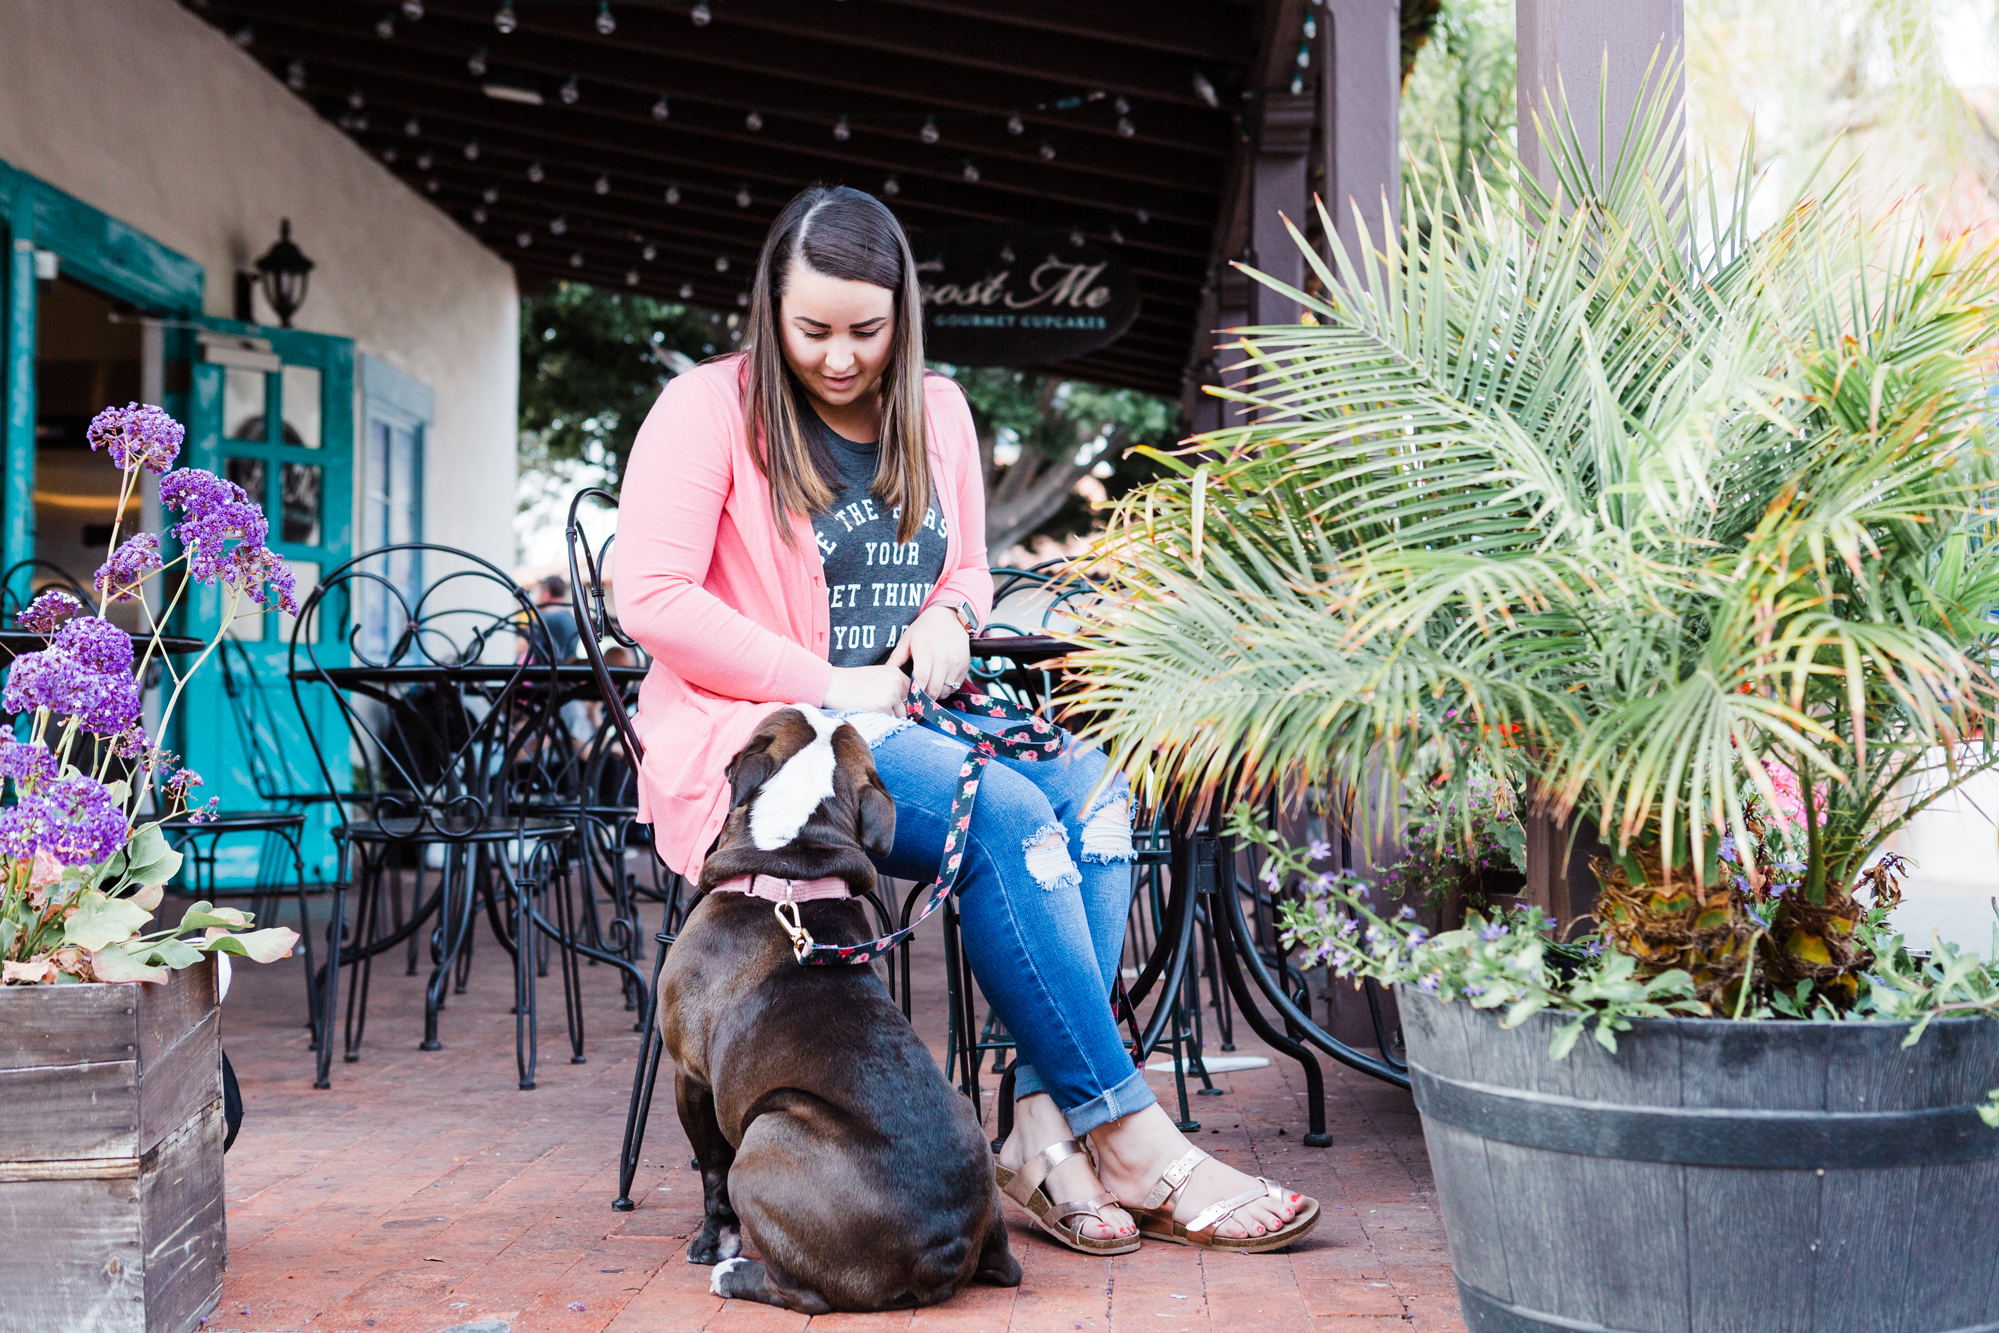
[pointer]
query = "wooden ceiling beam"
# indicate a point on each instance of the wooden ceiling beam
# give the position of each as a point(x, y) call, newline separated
point(1201, 32)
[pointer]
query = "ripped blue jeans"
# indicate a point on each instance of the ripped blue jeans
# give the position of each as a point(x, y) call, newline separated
point(1043, 903)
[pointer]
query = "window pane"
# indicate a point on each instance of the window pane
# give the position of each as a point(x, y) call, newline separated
point(244, 393)
point(249, 474)
point(299, 484)
point(299, 400)
point(305, 573)
point(403, 524)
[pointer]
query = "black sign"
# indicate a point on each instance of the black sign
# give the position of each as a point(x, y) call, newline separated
point(1023, 300)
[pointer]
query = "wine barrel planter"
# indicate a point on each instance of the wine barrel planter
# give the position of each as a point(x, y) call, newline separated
point(1713, 1176)
point(111, 1156)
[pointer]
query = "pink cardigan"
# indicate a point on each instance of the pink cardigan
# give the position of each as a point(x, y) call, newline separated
point(735, 620)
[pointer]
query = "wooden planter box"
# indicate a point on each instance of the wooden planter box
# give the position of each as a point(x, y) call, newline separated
point(1713, 1176)
point(111, 1156)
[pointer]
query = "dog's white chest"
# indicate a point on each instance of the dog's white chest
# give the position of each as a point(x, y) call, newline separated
point(784, 802)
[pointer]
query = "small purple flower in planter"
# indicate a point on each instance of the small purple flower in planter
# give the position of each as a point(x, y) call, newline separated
point(1319, 849)
point(58, 681)
point(136, 557)
point(1495, 931)
point(46, 613)
point(137, 435)
point(1429, 984)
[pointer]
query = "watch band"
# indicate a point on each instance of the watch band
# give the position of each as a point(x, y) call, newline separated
point(962, 608)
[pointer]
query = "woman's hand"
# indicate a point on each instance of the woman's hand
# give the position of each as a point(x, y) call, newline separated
point(938, 651)
point(875, 689)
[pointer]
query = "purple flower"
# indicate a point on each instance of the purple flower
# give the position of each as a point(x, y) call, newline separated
point(216, 511)
point(1429, 984)
point(102, 703)
point(1407, 914)
point(23, 828)
point(1269, 874)
point(25, 761)
point(1595, 948)
point(202, 814)
point(137, 436)
point(131, 743)
point(1727, 848)
point(251, 567)
point(1319, 850)
point(136, 557)
point(86, 825)
point(47, 612)
point(183, 779)
point(97, 643)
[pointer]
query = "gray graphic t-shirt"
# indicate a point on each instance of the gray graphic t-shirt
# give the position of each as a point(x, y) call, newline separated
point(875, 585)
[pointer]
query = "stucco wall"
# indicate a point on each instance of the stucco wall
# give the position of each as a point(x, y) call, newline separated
point(141, 110)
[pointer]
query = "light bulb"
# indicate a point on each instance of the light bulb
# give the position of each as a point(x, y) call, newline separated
point(423, 162)
point(971, 172)
point(491, 194)
point(1117, 237)
point(570, 92)
point(388, 155)
point(660, 110)
point(524, 239)
point(891, 188)
point(361, 123)
point(742, 298)
point(742, 196)
point(1047, 151)
point(412, 10)
point(672, 194)
point(603, 184)
point(1006, 254)
point(1205, 90)
point(475, 65)
point(1015, 125)
point(244, 36)
point(558, 224)
point(576, 260)
point(1075, 238)
point(686, 291)
point(479, 214)
point(753, 122)
point(355, 100)
point(535, 173)
point(721, 263)
point(1142, 216)
point(295, 76)
point(505, 20)
point(631, 277)
point(929, 133)
point(472, 150)
point(1122, 107)
point(431, 185)
point(605, 23)
point(1125, 129)
point(385, 27)
point(650, 253)
point(412, 127)
point(1311, 27)
point(700, 14)
point(1304, 56)
point(841, 132)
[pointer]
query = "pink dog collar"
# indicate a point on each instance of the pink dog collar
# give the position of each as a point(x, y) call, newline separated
point(773, 888)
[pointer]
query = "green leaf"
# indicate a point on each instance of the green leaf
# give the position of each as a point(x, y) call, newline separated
point(99, 921)
point(259, 946)
point(173, 953)
point(1565, 1038)
point(116, 963)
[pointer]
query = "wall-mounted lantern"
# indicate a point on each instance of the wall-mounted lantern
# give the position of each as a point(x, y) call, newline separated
point(282, 273)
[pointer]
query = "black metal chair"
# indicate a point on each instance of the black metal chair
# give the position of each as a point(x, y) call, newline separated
point(436, 707)
point(24, 580)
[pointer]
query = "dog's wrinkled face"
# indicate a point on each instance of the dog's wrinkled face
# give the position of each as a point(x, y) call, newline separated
point(808, 780)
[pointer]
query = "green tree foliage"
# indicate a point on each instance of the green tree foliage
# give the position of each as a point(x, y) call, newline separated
point(592, 362)
point(1039, 435)
point(1457, 104)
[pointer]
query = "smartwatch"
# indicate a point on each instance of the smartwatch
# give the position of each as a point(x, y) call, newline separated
point(962, 608)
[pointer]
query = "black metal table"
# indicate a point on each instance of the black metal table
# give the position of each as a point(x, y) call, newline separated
point(14, 642)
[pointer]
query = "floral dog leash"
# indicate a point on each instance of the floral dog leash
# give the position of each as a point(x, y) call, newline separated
point(1029, 739)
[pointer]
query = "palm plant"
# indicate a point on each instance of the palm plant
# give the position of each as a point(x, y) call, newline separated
point(1598, 491)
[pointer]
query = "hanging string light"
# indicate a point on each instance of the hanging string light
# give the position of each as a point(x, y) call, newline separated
point(742, 298)
point(660, 110)
point(476, 64)
point(971, 172)
point(605, 23)
point(413, 10)
point(603, 183)
point(672, 193)
point(686, 291)
point(650, 253)
point(385, 26)
point(295, 76)
point(576, 259)
point(929, 133)
point(471, 150)
point(558, 224)
point(504, 20)
point(571, 91)
point(524, 239)
point(431, 185)
point(891, 188)
point(1075, 238)
point(1015, 125)
point(700, 14)
point(1047, 151)
point(355, 100)
point(1205, 90)
point(412, 127)
point(631, 277)
point(244, 36)
point(742, 196)
point(721, 263)
point(1142, 216)
point(535, 172)
point(1117, 237)
point(423, 161)
point(1125, 129)
point(491, 194)
point(754, 121)
point(389, 155)
point(841, 132)
point(479, 214)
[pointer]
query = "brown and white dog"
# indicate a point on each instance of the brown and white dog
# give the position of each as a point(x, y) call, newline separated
point(821, 1125)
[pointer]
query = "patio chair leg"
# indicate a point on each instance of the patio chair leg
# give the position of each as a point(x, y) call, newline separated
point(643, 1078)
point(569, 960)
point(454, 927)
point(329, 988)
point(524, 978)
point(367, 925)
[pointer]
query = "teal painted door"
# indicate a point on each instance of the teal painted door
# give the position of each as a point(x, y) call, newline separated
point(280, 424)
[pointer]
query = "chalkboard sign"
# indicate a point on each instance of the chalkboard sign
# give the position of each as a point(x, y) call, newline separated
point(1027, 299)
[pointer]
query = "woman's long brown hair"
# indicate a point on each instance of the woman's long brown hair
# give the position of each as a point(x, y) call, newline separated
point(841, 233)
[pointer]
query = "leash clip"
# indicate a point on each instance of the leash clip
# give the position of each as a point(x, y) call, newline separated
point(801, 938)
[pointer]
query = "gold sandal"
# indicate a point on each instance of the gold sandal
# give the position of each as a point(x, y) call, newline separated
point(1024, 1188)
point(1155, 1215)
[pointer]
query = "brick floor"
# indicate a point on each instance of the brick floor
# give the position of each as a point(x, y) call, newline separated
point(426, 1193)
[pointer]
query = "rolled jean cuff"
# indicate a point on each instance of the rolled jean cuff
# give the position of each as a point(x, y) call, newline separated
point(1128, 1096)
point(1025, 1081)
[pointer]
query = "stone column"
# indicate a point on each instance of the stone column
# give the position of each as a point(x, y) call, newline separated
point(1583, 47)
point(1361, 88)
point(1277, 191)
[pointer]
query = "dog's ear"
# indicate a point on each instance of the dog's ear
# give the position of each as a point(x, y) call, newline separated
point(749, 770)
point(877, 817)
